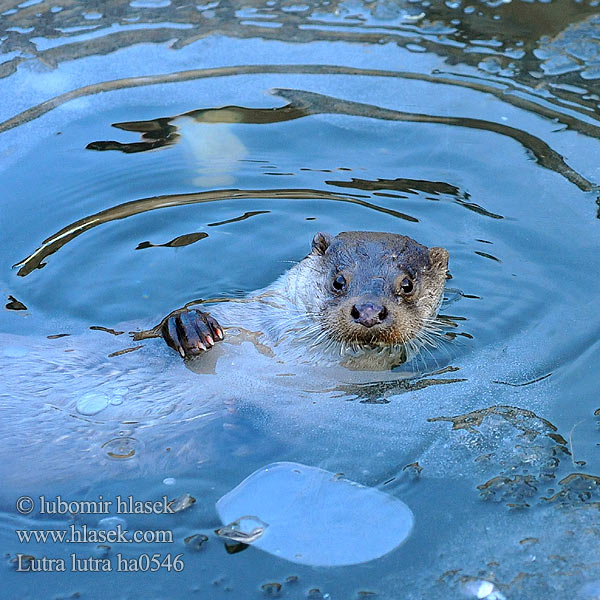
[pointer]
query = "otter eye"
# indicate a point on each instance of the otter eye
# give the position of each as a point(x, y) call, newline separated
point(406, 285)
point(339, 283)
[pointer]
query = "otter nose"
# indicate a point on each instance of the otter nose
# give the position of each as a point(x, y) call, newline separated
point(368, 313)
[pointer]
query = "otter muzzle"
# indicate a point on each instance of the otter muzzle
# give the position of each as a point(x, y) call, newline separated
point(368, 313)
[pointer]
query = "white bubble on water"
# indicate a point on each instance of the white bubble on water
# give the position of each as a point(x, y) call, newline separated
point(92, 403)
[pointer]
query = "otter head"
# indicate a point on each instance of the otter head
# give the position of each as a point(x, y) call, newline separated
point(381, 289)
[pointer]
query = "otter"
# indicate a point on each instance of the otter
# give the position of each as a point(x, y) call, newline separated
point(357, 305)
point(367, 300)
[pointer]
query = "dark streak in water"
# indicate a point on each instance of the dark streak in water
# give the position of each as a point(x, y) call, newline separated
point(378, 392)
point(57, 335)
point(152, 138)
point(124, 351)
point(386, 195)
point(524, 383)
point(486, 255)
point(14, 304)
point(157, 133)
point(106, 329)
point(401, 184)
point(136, 207)
point(413, 185)
point(243, 217)
point(178, 242)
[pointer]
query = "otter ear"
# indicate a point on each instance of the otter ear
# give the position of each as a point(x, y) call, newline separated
point(438, 258)
point(320, 243)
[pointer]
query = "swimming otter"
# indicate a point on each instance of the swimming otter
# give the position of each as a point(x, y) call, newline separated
point(368, 300)
point(358, 303)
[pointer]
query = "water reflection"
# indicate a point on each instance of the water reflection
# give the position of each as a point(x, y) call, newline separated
point(540, 56)
point(135, 207)
point(162, 132)
point(519, 388)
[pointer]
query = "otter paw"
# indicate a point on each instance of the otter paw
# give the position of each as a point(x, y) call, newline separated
point(191, 332)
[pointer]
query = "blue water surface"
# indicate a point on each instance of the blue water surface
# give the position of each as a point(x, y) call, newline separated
point(469, 127)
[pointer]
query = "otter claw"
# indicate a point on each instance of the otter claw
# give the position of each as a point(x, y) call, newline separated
point(191, 333)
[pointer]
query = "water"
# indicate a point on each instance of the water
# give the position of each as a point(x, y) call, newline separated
point(472, 127)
